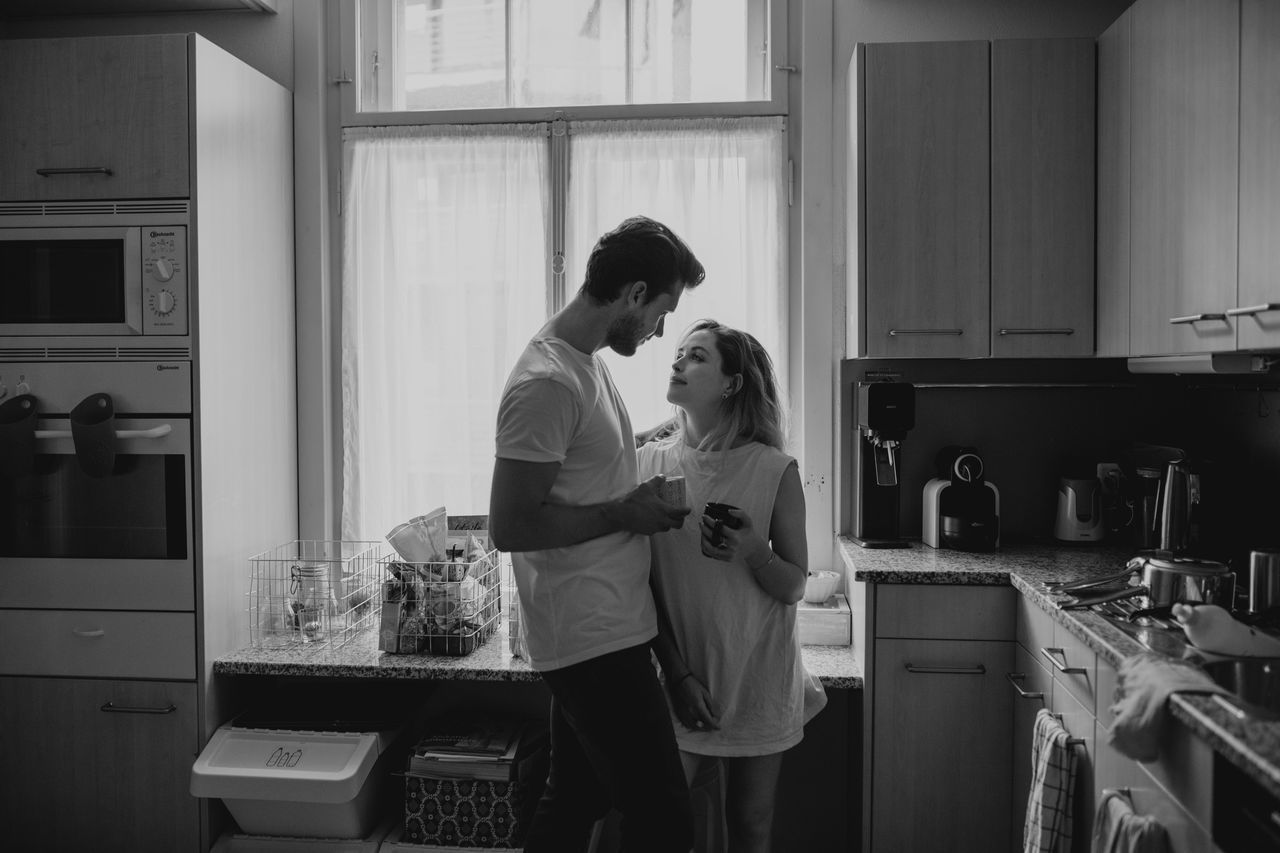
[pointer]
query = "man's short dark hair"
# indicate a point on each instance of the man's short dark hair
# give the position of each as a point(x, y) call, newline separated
point(640, 249)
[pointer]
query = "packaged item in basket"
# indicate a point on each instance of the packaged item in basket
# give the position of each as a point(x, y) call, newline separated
point(423, 539)
point(399, 606)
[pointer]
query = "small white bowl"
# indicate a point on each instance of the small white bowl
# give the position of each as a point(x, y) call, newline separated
point(820, 586)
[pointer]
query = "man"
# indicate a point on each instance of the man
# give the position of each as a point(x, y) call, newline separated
point(568, 505)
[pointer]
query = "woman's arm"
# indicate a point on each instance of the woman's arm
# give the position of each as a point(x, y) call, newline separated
point(693, 704)
point(781, 570)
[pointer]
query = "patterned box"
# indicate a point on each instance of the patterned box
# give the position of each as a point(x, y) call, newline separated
point(464, 812)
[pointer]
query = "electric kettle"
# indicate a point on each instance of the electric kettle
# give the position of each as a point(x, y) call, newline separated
point(1079, 516)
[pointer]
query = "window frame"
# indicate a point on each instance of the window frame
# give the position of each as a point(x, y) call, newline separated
point(351, 79)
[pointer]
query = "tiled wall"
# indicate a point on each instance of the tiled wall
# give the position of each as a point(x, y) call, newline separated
point(1033, 420)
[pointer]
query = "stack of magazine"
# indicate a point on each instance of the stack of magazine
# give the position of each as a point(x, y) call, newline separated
point(468, 749)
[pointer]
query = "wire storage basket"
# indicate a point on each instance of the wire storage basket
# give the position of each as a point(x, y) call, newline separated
point(313, 592)
point(439, 608)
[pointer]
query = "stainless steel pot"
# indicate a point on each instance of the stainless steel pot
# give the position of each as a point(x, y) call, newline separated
point(1165, 582)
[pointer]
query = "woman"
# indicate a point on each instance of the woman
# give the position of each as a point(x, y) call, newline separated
point(726, 588)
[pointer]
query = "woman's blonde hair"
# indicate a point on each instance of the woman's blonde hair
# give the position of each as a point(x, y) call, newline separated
point(753, 410)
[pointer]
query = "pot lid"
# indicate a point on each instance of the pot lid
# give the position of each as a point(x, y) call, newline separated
point(1187, 565)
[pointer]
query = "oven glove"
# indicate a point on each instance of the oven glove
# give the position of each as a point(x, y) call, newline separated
point(17, 435)
point(1143, 688)
point(93, 431)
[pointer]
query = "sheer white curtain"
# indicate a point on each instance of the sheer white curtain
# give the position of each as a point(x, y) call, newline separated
point(443, 283)
point(718, 183)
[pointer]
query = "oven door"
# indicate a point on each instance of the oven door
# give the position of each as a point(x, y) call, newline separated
point(124, 541)
point(71, 281)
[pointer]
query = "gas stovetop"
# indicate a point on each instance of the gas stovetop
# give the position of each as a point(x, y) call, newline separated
point(1157, 630)
point(1255, 682)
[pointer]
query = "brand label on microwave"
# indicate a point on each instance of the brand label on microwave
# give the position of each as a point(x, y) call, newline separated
point(162, 233)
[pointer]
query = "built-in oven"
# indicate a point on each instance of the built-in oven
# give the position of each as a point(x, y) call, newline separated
point(111, 537)
point(1246, 816)
point(72, 271)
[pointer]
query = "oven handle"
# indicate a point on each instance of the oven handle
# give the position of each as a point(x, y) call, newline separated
point(155, 432)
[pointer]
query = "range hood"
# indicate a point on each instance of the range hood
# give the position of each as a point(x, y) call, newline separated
point(1225, 362)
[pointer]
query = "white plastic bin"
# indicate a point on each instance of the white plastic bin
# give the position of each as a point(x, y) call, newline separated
point(308, 784)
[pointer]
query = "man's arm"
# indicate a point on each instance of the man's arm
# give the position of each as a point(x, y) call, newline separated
point(521, 518)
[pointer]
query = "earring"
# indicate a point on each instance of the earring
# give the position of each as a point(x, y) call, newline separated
point(725, 395)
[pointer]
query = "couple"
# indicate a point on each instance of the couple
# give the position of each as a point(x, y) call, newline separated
point(581, 511)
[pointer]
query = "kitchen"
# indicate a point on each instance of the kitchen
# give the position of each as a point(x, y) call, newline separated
point(1099, 403)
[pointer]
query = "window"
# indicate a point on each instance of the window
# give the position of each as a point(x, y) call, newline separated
point(459, 240)
point(475, 54)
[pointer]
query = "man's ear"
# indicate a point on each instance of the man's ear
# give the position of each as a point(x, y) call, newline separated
point(637, 292)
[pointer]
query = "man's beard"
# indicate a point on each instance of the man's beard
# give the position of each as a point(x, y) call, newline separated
point(624, 335)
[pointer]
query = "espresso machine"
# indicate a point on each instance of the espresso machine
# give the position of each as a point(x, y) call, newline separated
point(886, 412)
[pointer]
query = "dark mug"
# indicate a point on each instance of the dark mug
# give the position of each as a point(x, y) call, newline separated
point(724, 517)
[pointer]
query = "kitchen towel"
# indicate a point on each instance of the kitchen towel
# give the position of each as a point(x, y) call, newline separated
point(17, 435)
point(1053, 768)
point(93, 432)
point(1143, 688)
point(1118, 829)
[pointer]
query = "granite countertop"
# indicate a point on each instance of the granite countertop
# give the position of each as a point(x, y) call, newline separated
point(359, 657)
point(1251, 744)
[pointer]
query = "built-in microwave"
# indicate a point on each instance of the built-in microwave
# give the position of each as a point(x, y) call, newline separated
point(100, 277)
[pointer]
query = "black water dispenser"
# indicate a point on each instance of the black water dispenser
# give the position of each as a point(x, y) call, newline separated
point(886, 412)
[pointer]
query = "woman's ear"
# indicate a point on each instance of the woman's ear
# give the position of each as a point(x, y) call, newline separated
point(734, 386)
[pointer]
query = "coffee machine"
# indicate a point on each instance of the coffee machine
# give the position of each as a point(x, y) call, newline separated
point(886, 412)
point(960, 508)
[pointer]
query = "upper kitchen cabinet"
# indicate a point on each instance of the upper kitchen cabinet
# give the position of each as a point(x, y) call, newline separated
point(1115, 129)
point(1184, 168)
point(971, 199)
point(1258, 303)
point(924, 178)
point(94, 118)
point(1042, 200)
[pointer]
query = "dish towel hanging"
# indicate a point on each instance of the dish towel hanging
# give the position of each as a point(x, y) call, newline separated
point(1121, 830)
point(1053, 768)
point(1144, 684)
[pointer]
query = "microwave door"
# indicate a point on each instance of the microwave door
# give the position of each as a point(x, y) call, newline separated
point(71, 281)
point(120, 541)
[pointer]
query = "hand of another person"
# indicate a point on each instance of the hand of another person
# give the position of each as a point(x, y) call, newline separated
point(644, 511)
point(696, 709)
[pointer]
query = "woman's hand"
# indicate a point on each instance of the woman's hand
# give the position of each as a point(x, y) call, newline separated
point(695, 708)
point(722, 541)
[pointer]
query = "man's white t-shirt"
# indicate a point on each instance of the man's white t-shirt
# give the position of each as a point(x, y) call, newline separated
point(593, 598)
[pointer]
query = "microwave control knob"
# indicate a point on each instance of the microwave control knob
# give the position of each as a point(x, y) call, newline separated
point(164, 302)
point(162, 269)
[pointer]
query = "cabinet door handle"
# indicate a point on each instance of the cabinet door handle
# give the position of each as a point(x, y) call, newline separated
point(1196, 318)
point(112, 708)
point(89, 632)
point(1250, 310)
point(893, 333)
point(1014, 678)
point(1071, 741)
point(79, 170)
point(976, 669)
point(1037, 331)
point(1061, 666)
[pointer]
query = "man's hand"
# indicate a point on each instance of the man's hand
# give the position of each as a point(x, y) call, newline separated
point(644, 511)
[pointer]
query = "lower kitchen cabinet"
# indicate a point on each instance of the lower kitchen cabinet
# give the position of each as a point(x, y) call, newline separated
point(1032, 690)
point(937, 748)
point(98, 765)
point(1056, 670)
